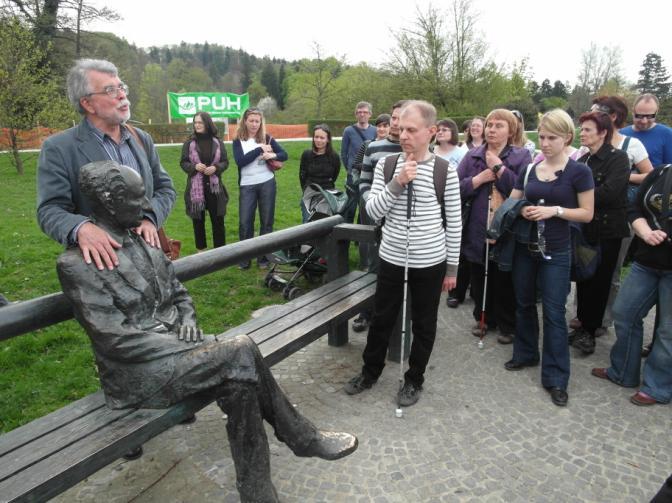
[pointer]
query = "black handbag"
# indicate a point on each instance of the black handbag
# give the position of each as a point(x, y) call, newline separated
point(586, 257)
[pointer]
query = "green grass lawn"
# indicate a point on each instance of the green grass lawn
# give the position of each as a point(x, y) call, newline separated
point(44, 370)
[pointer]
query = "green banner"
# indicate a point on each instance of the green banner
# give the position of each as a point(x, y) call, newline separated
point(218, 105)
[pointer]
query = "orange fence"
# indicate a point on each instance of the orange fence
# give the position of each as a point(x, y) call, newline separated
point(33, 138)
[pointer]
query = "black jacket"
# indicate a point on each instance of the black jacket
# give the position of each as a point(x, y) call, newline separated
point(611, 171)
point(648, 205)
point(508, 227)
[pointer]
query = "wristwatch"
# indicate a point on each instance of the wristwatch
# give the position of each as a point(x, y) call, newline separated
point(559, 211)
point(496, 168)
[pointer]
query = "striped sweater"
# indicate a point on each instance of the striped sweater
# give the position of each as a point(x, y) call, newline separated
point(374, 152)
point(429, 242)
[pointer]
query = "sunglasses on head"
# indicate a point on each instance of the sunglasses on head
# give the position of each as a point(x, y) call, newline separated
point(601, 108)
point(645, 116)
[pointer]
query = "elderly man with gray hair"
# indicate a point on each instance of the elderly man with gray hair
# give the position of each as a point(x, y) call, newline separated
point(96, 91)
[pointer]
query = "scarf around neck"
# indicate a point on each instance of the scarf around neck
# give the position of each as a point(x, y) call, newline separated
point(197, 191)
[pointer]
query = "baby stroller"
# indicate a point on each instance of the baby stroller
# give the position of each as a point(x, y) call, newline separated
point(305, 260)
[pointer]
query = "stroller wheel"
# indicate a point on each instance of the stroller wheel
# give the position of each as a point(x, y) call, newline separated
point(291, 292)
point(268, 279)
point(275, 283)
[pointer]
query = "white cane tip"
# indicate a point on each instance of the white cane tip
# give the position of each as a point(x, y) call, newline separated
point(399, 413)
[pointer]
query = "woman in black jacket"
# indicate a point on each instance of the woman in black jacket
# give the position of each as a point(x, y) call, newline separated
point(319, 165)
point(203, 160)
point(611, 170)
point(649, 283)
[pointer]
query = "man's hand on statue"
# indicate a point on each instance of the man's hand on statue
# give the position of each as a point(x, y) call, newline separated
point(189, 333)
point(97, 246)
point(149, 233)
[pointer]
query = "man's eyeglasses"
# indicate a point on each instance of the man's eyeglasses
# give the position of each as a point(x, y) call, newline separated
point(112, 91)
point(645, 116)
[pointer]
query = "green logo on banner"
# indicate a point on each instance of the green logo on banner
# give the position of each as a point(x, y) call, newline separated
point(218, 105)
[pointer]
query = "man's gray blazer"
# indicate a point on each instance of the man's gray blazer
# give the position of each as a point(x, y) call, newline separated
point(60, 205)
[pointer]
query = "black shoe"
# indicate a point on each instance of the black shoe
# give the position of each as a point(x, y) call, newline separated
point(244, 266)
point(360, 324)
point(409, 394)
point(558, 396)
point(330, 445)
point(584, 342)
point(514, 365)
point(358, 384)
point(452, 302)
point(262, 264)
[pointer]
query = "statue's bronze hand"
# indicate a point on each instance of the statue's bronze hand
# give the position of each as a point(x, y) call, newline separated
point(190, 333)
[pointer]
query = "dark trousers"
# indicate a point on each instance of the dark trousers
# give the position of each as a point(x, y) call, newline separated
point(593, 293)
point(247, 405)
point(349, 215)
point(217, 222)
point(424, 286)
point(665, 493)
point(251, 196)
point(500, 302)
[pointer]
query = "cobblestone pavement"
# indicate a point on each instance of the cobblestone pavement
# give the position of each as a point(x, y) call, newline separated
point(479, 433)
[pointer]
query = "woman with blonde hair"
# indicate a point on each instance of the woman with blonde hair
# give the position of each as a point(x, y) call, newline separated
point(488, 173)
point(253, 150)
point(560, 191)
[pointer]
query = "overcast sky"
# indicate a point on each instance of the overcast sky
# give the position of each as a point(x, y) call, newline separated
point(551, 34)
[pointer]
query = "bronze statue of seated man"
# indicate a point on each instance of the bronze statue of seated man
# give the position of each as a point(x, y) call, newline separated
point(150, 352)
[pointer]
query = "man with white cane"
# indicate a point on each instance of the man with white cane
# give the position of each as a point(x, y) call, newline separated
point(425, 248)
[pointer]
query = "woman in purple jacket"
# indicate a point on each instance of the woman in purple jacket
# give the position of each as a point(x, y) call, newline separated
point(494, 167)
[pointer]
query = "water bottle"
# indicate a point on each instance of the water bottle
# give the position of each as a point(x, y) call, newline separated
point(541, 238)
point(541, 225)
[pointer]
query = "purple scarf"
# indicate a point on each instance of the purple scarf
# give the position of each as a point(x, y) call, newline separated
point(196, 193)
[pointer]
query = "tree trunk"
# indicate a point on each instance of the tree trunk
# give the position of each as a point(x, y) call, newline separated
point(78, 28)
point(15, 150)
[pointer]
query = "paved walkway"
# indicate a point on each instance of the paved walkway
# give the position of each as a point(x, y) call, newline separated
point(479, 433)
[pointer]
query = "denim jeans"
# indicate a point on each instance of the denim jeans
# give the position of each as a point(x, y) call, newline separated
point(643, 287)
point(263, 195)
point(552, 278)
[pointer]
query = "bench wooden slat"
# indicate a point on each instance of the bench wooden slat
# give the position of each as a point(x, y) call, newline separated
point(270, 318)
point(319, 310)
point(66, 467)
point(69, 433)
point(294, 314)
point(35, 429)
point(302, 334)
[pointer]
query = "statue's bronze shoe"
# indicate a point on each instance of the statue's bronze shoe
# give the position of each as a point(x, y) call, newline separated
point(331, 445)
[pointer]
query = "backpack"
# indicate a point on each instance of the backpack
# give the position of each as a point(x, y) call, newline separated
point(440, 175)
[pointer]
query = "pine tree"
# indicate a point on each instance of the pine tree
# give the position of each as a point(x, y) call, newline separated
point(653, 77)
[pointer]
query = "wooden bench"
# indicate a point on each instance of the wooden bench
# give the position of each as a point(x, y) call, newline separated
point(51, 454)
